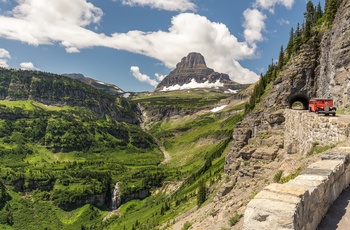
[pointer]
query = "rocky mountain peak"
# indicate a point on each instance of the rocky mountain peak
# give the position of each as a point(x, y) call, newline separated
point(192, 73)
point(192, 61)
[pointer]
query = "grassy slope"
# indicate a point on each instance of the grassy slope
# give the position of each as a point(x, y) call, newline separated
point(75, 173)
point(196, 144)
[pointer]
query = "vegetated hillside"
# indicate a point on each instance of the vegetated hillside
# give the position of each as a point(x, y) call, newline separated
point(60, 156)
point(60, 161)
point(160, 106)
point(194, 139)
point(52, 89)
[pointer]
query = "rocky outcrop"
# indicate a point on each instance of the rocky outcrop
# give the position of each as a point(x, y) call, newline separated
point(295, 82)
point(193, 70)
point(98, 200)
point(334, 78)
point(315, 71)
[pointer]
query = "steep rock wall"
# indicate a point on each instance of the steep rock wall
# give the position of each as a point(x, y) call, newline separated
point(334, 79)
point(315, 71)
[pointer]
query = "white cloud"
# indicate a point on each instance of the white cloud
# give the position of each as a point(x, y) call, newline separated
point(44, 22)
point(253, 25)
point(142, 77)
point(170, 5)
point(270, 4)
point(214, 41)
point(159, 76)
point(4, 55)
point(72, 49)
point(283, 22)
point(63, 21)
point(28, 66)
point(3, 63)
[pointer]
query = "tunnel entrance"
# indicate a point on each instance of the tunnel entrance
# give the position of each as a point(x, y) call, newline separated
point(299, 101)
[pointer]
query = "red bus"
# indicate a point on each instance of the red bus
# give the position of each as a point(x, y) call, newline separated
point(322, 106)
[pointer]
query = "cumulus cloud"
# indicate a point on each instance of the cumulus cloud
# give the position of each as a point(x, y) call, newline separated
point(270, 4)
point(39, 22)
point(213, 40)
point(283, 22)
point(254, 25)
point(28, 66)
point(170, 5)
point(159, 76)
point(4, 56)
point(142, 77)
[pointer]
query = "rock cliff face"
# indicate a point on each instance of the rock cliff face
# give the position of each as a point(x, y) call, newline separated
point(334, 78)
point(316, 71)
point(296, 82)
point(192, 72)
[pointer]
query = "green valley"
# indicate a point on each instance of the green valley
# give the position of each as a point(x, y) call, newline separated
point(61, 156)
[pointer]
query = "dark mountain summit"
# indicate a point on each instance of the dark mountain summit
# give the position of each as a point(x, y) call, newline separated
point(192, 73)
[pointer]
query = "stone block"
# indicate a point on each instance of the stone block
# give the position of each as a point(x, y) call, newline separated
point(265, 214)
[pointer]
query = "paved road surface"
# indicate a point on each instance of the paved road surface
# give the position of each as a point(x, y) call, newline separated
point(338, 216)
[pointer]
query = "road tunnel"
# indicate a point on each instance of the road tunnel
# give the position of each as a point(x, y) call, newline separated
point(302, 98)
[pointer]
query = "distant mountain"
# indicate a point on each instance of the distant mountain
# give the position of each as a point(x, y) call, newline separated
point(193, 73)
point(105, 87)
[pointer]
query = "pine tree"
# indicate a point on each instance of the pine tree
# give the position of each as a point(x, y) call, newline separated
point(309, 20)
point(290, 42)
point(281, 58)
point(297, 39)
point(331, 10)
point(202, 193)
point(319, 12)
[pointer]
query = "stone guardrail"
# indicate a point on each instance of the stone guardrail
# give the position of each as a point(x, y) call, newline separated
point(302, 202)
point(303, 129)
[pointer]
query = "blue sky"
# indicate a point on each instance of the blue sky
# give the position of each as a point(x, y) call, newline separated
point(135, 43)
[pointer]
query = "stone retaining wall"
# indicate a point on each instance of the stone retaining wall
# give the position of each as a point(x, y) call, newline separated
point(302, 202)
point(305, 129)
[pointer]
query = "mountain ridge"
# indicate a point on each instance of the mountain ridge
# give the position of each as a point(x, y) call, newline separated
point(103, 86)
point(192, 73)
point(53, 89)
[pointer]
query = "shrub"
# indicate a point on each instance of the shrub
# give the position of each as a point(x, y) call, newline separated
point(186, 226)
point(278, 176)
point(235, 219)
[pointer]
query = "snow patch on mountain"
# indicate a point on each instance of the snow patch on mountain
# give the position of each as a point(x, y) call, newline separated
point(194, 85)
point(217, 109)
